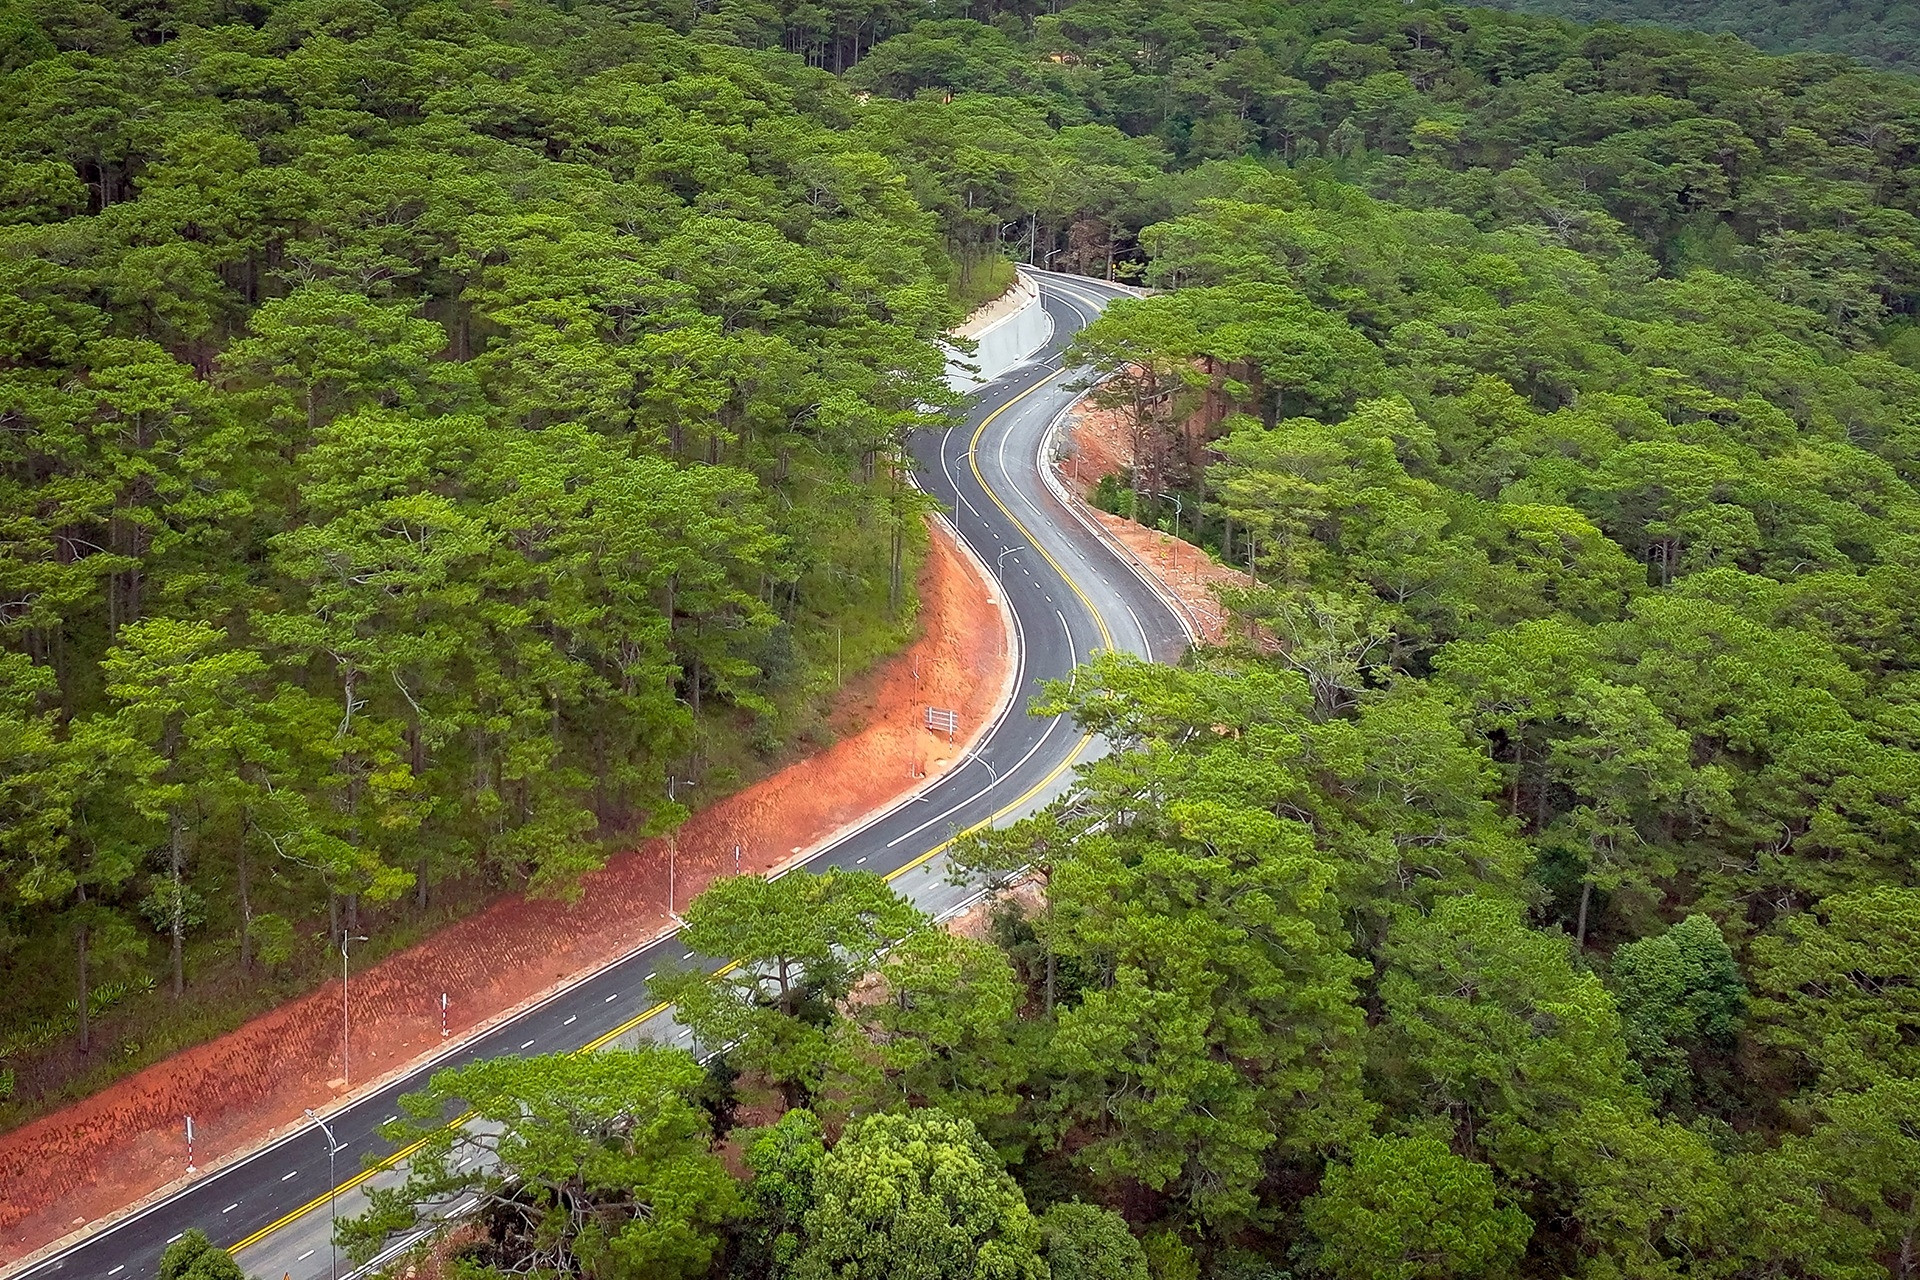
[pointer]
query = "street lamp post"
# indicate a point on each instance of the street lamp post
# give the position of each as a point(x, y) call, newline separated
point(333, 1183)
point(673, 846)
point(1179, 513)
point(991, 771)
point(346, 1069)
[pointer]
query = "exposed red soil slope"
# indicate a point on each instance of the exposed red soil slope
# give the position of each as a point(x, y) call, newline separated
point(1099, 445)
point(124, 1144)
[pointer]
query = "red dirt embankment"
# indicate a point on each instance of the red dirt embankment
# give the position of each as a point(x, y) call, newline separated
point(1099, 445)
point(125, 1143)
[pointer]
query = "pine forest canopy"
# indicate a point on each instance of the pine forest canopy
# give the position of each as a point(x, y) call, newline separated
point(428, 426)
point(424, 431)
point(1880, 33)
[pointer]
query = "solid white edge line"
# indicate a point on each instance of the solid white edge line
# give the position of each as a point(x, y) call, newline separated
point(1040, 742)
point(1043, 463)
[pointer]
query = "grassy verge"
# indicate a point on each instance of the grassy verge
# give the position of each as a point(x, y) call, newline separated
point(982, 281)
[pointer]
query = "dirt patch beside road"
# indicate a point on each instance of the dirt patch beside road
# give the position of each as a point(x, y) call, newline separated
point(125, 1144)
point(1098, 445)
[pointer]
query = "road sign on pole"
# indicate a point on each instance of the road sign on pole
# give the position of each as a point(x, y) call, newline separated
point(942, 720)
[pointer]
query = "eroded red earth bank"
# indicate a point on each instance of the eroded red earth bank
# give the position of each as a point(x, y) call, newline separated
point(124, 1145)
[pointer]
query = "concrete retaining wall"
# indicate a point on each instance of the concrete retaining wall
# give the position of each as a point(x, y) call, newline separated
point(1009, 330)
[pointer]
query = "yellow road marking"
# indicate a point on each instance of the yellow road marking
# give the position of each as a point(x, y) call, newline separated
point(348, 1185)
point(973, 460)
point(599, 1042)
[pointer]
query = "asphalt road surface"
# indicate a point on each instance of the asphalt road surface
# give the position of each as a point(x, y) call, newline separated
point(1070, 597)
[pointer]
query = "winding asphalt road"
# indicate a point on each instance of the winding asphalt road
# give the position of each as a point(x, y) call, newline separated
point(1070, 597)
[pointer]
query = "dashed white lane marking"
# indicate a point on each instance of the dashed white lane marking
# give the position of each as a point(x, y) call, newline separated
point(529, 1044)
point(230, 1208)
point(294, 1174)
point(117, 1270)
point(610, 999)
point(570, 1021)
point(1048, 733)
point(650, 976)
point(858, 861)
point(308, 1254)
point(389, 1119)
point(171, 1239)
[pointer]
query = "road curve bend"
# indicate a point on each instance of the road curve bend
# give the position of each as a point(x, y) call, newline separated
point(1070, 597)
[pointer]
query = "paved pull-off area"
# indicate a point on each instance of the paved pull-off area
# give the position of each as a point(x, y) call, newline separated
point(1069, 596)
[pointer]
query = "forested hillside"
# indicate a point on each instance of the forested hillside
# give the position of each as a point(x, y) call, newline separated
point(1532, 889)
point(1880, 33)
point(427, 432)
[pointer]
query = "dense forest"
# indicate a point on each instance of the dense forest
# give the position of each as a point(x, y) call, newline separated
point(431, 439)
point(1880, 33)
point(1530, 889)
